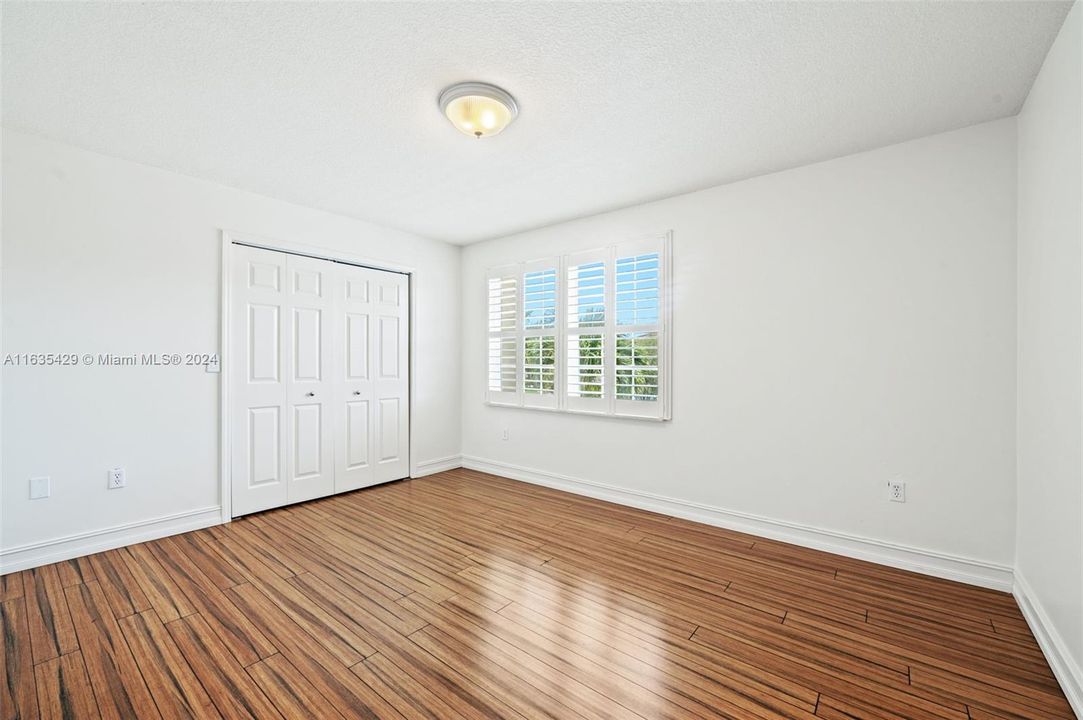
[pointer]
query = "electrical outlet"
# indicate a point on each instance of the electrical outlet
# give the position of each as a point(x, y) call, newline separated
point(506, 435)
point(39, 488)
point(117, 479)
point(896, 491)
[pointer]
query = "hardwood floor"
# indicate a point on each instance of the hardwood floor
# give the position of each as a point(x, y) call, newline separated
point(465, 595)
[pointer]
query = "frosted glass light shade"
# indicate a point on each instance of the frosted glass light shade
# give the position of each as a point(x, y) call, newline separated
point(478, 109)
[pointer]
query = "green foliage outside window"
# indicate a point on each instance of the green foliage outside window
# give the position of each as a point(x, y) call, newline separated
point(539, 365)
point(637, 366)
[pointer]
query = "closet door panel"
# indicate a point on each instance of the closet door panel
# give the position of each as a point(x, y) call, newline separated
point(353, 373)
point(258, 370)
point(391, 355)
point(310, 449)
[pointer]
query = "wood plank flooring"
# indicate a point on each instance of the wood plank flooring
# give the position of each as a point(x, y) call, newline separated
point(464, 595)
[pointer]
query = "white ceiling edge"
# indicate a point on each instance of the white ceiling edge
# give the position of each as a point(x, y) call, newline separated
point(735, 181)
point(34, 137)
point(739, 181)
point(520, 231)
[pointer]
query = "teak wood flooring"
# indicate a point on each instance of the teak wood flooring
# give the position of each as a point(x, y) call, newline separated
point(464, 595)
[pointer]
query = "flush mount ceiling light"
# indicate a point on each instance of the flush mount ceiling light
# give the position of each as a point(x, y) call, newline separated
point(478, 109)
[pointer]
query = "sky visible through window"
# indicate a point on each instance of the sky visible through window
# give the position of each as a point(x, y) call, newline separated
point(637, 290)
point(588, 296)
point(540, 298)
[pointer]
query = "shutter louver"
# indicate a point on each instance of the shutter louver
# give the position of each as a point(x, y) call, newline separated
point(502, 304)
point(539, 365)
point(637, 306)
point(585, 366)
point(587, 342)
point(503, 379)
point(638, 290)
point(502, 365)
point(638, 333)
point(586, 295)
point(637, 366)
point(539, 346)
point(540, 299)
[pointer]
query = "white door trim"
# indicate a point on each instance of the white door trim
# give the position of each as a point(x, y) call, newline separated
point(229, 237)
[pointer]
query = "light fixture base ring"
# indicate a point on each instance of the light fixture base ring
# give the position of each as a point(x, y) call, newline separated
point(463, 89)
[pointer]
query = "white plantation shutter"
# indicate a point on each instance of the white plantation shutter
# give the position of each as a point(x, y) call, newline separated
point(586, 366)
point(586, 292)
point(502, 362)
point(585, 333)
point(639, 339)
point(503, 298)
point(539, 345)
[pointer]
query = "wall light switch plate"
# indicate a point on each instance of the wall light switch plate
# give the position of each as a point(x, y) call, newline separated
point(117, 478)
point(39, 488)
point(213, 365)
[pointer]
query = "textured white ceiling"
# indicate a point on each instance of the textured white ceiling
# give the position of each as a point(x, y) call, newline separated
point(333, 105)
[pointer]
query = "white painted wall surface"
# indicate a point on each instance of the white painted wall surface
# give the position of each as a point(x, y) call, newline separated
point(835, 325)
point(1049, 552)
point(107, 256)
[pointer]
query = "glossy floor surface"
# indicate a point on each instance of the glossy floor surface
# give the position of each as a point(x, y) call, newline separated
point(464, 595)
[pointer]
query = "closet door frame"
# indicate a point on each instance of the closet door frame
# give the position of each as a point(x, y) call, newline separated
point(230, 238)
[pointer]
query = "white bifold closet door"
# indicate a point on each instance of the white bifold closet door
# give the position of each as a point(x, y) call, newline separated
point(371, 378)
point(319, 378)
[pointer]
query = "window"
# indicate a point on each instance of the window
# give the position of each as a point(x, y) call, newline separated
point(586, 332)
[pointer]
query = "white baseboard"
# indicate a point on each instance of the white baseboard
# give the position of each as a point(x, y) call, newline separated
point(1067, 671)
point(77, 545)
point(928, 562)
point(86, 543)
point(431, 467)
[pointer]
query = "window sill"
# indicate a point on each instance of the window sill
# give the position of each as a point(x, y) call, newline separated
point(580, 413)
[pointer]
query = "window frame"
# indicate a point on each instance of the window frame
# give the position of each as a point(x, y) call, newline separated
point(560, 401)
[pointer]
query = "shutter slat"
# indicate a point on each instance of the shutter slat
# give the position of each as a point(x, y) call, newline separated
point(586, 366)
point(502, 361)
point(540, 299)
point(586, 295)
point(503, 310)
point(503, 318)
point(539, 365)
point(637, 284)
point(637, 366)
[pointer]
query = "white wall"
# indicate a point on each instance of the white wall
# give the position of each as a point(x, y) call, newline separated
point(835, 325)
point(1049, 553)
point(107, 256)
